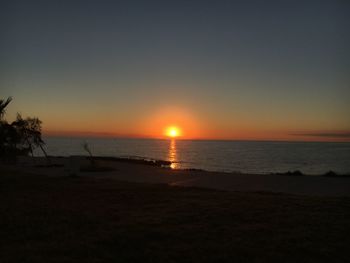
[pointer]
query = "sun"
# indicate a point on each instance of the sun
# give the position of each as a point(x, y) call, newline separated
point(173, 132)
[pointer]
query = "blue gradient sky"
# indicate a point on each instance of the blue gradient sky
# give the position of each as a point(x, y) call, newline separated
point(217, 69)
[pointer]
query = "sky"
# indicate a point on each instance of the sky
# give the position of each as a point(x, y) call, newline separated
point(269, 70)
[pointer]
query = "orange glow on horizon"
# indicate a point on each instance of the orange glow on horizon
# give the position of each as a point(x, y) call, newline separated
point(189, 125)
point(206, 135)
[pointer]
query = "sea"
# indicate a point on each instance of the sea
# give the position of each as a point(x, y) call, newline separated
point(261, 157)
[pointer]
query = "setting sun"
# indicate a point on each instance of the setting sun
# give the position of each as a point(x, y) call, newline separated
point(173, 132)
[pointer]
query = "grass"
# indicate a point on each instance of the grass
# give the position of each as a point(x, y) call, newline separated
point(67, 219)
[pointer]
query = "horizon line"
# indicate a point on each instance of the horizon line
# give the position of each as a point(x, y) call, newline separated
point(96, 136)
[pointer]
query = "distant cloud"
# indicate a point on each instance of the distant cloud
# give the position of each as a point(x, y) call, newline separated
point(324, 134)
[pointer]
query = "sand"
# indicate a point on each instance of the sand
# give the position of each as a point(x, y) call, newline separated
point(142, 213)
point(131, 172)
point(47, 216)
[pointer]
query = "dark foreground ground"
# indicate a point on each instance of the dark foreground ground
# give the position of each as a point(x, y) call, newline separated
point(67, 219)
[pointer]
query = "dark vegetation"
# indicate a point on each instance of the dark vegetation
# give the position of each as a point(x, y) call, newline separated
point(76, 219)
point(96, 167)
point(291, 173)
point(135, 160)
point(327, 174)
point(19, 137)
point(334, 174)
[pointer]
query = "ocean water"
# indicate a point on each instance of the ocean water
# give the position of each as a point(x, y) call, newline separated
point(231, 156)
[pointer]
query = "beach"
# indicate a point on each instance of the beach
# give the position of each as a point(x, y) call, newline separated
point(142, 213)
point(131, 170)
point(174, 131)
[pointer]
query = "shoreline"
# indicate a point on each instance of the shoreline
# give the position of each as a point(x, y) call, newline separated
point(154, 173)
point(167, 164)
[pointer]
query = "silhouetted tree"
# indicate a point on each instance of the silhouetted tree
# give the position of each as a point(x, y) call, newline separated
point(21, 136)
point(3, 105)
point(29, 131)
point(8, 135)
point(9, 139)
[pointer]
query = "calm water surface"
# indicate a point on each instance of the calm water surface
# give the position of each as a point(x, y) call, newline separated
point(243, 156)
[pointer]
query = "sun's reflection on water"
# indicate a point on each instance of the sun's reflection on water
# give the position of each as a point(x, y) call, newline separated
point(172, 155)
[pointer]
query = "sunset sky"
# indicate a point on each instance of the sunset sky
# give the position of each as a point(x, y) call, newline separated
point(272, 70)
